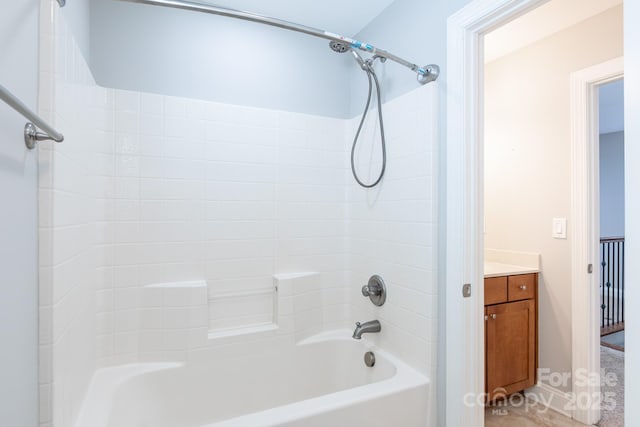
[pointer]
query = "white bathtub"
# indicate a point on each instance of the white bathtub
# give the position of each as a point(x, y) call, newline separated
point(320, 382)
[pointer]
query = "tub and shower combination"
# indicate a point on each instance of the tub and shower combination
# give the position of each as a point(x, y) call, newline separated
point(287, 373)
point(170, 348)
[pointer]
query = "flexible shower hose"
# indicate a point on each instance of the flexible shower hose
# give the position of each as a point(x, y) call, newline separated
point(370, 73)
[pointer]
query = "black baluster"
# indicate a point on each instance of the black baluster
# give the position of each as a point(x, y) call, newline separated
point(602, 264)
point(608, 283)
point(622, 279)
point(617, 282)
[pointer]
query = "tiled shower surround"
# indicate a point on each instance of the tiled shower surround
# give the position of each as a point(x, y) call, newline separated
point(167, 224)
point(221, 193)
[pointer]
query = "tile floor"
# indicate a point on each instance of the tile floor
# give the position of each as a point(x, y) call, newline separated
point(530, 414)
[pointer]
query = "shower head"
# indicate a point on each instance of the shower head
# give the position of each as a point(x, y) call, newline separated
point(339, 46)
point(342, 47)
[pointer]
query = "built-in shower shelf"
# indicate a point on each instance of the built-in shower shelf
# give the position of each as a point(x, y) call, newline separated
point(241, 312)
point(224, 295)
point(248, 330)
point(186, 284)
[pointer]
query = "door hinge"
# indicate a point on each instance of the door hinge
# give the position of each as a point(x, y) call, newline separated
point(466, 290)
point(590, 268)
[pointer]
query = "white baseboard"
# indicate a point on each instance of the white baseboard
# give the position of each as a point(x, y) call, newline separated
point(553, 398)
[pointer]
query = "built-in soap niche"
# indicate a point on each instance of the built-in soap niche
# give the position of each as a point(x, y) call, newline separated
point(293, 305)
point(241, 313)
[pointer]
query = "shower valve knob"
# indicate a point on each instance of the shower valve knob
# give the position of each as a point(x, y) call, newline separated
point(367, 291)
point(376, 290)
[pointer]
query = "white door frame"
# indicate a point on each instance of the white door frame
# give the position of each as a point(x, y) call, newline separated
point(585, 232)
point(464, 326)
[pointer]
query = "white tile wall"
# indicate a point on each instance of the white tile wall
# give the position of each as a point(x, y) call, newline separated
point(171, 320)
point(299, 306)
point(392, 230)
point(69, 222)
point(150, 189)
point(227, 194)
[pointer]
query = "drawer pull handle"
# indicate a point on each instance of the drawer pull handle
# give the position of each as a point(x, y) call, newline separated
point(486, 317)
point(523, 287)
point(493, 316)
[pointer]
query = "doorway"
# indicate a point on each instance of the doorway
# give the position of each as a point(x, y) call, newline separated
point(537, 186)
point(612, 241)
point(465, 206)
point(611, 258)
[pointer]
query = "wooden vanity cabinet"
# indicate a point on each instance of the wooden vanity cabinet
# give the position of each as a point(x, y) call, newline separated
point(511, 334)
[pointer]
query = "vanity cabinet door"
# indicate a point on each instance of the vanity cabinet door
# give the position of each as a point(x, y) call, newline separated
point(510, 347)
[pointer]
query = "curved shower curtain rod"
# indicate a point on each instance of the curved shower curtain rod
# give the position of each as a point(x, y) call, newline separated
point(426, 74)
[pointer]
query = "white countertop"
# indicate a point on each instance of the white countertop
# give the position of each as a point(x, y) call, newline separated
point(497, 269)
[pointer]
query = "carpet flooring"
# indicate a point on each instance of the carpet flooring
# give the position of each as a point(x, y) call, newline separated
point(612, 362)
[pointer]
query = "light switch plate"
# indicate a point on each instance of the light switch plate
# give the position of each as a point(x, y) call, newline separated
point(559, 228)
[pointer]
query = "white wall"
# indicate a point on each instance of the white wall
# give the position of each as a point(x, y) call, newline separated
point(77, 14)
point(612, 184)
point(412, 29)
point(527, 161)
point(611, 106)
point(196, 56)
point(202, 56)
point(18, 220)
point(632, 199)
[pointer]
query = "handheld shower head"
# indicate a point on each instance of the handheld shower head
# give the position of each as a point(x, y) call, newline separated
point(363, 64)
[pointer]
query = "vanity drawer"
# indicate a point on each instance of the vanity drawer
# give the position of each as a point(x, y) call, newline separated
point(522, 286)
point(495, 290)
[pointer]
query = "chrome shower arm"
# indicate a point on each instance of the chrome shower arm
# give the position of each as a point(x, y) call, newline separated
point(425, 74)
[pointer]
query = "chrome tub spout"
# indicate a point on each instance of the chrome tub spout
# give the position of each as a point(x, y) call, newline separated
point(366, 327)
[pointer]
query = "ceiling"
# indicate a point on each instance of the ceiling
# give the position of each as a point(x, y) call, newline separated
point(346, 18)
point(541, 22)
